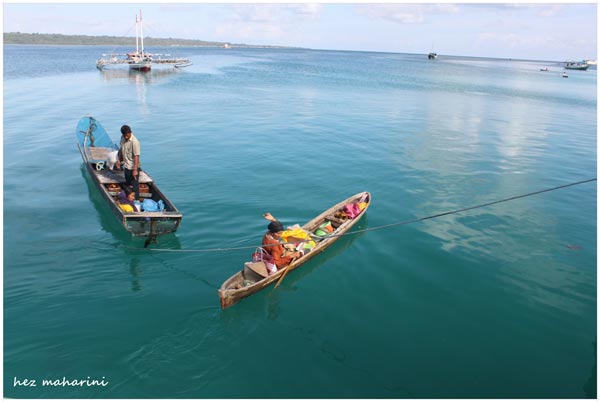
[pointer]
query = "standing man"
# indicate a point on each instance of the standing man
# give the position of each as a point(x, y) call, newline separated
point(129, 155)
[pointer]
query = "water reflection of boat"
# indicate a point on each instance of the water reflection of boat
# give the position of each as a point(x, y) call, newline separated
point(140, 60)
point(137, 76)
point(121, 237)
point(139, 80)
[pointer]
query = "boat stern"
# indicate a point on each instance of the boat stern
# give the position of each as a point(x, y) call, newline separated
point(145, 226)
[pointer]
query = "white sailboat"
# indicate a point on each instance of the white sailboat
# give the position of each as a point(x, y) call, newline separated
point(140, 60)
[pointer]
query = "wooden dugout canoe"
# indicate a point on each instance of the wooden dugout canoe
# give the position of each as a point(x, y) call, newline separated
point(247, 281)
point(94, 145)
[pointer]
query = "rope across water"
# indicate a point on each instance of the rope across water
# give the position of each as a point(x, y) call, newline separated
point(456, 211)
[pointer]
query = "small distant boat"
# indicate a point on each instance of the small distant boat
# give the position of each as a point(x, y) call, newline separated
point(95, 145)
point(140, 60)
point(544, 69)
point(565, 75)
point(251, 279)
point(432, 56)
point(577, 65)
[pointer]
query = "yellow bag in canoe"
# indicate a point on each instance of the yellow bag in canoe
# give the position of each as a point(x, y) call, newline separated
point(297, 235)
point(126, 207)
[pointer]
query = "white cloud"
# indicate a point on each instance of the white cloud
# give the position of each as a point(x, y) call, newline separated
point(284, 13)
point(253, 13)
point(512, 40)
point(405, 13)
point(542, 10)
point(250, 33)
point(550, 10)
point(265, 22)
point(310, 10)
point(495, 39)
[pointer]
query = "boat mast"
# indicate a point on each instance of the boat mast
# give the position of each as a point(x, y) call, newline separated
point(142, 33)
point(136, 36)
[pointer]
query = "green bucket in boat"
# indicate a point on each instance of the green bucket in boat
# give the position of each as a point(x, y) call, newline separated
point(321, 232)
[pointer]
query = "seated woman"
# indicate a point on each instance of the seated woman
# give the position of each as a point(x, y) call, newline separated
point(125, 200)
point(271, 243)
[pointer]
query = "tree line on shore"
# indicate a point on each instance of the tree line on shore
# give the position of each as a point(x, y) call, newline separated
point(18, 38)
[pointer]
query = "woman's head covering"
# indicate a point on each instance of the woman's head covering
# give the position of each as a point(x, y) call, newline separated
point(123, 197)
point(275, 227)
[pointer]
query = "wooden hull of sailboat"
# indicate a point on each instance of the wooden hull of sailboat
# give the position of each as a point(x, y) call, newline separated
point(141, 66)
point(247, 282)
point(94, 146)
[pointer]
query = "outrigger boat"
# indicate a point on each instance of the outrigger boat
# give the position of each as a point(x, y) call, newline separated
point(95, 146)
point(140, 60)
point(254, 276)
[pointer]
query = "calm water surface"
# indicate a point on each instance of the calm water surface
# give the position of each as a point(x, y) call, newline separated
point(498, 302)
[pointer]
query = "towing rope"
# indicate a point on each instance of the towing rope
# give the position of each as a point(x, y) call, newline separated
point(456, 211)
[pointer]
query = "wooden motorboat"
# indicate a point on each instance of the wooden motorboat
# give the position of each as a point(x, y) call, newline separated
point(95, 146)
point(254, 277)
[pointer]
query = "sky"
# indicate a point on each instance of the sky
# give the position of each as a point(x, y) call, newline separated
point(535, 31)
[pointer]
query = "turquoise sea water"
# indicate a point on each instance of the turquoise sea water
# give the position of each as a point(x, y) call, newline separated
point(498, 302)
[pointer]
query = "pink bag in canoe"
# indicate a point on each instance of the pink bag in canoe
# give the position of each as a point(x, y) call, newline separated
point(352, 210)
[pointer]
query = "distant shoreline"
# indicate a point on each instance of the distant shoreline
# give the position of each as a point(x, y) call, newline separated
point(37, 39)
point(18, 38)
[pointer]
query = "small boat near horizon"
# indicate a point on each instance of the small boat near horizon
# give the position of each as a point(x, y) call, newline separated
point(432, 55)
point(140, 60)
point(254, 276)
point(95, 146)
point(577, 65)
